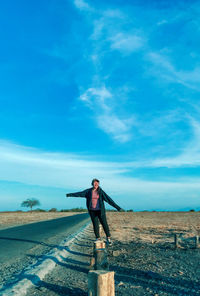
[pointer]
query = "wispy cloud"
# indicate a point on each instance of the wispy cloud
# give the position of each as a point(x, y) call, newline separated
point(110, 34)
point(98, 96)
point(111, 29)
point(160, 121)
point(127, 43)
point(36, 167)
point(82, 5)
point(162, 22)
point(100, 100)
point(164, 68)
point(103, 24)
point(118, 128)
point(188, 157)
point(114, 31)
point(33, 166)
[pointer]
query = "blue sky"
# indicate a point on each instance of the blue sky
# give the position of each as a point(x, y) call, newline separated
point(105, 89)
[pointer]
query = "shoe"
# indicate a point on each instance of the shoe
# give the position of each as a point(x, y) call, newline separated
point(108, 241)
point(98, 239)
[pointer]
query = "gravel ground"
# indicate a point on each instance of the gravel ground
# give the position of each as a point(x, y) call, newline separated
point(143, 257)
point(14, 268)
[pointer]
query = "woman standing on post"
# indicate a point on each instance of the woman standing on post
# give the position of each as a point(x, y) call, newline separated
point(95, 198)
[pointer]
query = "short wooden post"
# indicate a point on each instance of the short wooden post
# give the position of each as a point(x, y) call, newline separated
point(99, 244)
point(100, 230)
point(196, 241)
point(100, 255)
point(101, 283)
point(176, 244)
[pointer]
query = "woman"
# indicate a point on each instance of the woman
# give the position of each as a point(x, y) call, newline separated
point(95, 198)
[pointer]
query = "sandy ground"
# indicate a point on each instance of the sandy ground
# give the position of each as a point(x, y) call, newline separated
point(143, 257)
point(11, 219)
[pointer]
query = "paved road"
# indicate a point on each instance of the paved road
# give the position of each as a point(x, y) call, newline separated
point(17, 242)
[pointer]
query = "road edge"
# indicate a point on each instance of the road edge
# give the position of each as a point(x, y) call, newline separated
point(36, 272)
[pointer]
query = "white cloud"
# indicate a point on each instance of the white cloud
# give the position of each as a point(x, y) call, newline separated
point(94, 96)
point(110, 32)
point(100, 100)
point(82, 5)
point(162, 22)
point(188, 157)
point(118, 128)
point(32, 166)
point(127, 43)
point(190, 76)
point(160, 122)
point(163, 68)
point(106, 22)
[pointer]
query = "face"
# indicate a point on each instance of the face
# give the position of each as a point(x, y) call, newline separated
point(96, 185)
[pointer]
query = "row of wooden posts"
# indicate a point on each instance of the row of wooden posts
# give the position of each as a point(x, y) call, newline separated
point(100, 280)
point(177, 240)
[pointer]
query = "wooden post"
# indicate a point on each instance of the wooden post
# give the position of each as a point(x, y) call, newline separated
point(100, 255)
point(101, 283)
point(176, 240)
point(100, 230)
point(99, 244)
point(196, 241)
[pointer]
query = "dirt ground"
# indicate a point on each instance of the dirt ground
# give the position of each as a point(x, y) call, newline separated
point(11, 219)
point(143, 257)
point(154, 227)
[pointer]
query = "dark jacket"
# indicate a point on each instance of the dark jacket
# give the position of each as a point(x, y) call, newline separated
point(102, 197)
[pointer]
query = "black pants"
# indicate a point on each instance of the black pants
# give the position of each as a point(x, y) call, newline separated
point(96, 217)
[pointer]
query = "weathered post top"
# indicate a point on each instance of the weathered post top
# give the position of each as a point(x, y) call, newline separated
point(101, 283)
point(99, 244)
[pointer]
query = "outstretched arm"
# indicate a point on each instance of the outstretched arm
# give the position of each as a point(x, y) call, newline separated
point(77, 194)
point(109, 200)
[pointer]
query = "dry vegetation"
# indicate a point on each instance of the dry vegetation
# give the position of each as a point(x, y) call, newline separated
point(153, 226)
point(10, 219)
point(145, 259)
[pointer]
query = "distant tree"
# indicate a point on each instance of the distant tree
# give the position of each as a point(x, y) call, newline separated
point(30, 203)
point(65, 210)
point(74, 210)
point(39, 210)
point(78, 210)
point(53, 210)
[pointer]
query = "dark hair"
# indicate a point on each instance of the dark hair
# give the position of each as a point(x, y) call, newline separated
point(94, 181)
